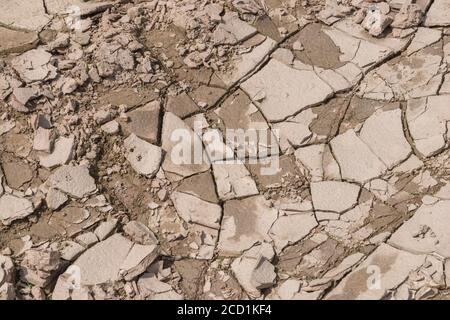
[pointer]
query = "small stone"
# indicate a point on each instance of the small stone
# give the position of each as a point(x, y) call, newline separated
point(233, 30)
point(43, 140)
point(55, 199)
point(104, 69)
point(144, 157)
point(153, 205)
point(138, 260)
point(178, 141)
point(111, 127)
point(24, 95)
point(62, 153)
point(410, 15)
point(14, 208)
point(62, 41)
point(144, 122)
point(193, 60)
point(82, 38)
point(110, 254)
point(102, 116)
point(71, 250)
point(17, 174)
point(384, 7)
point(105, 229)
point(34, 65)
point(376, 22)
point(87, 239)
point(69, 86)
point(195, 210)
point(73, 180)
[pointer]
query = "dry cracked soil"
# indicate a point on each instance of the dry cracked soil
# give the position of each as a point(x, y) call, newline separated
point(335, 186)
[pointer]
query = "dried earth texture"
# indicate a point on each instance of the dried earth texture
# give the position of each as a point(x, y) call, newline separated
point(353, 98)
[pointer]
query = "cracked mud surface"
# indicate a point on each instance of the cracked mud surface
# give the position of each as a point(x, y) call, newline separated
point(353, 98)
